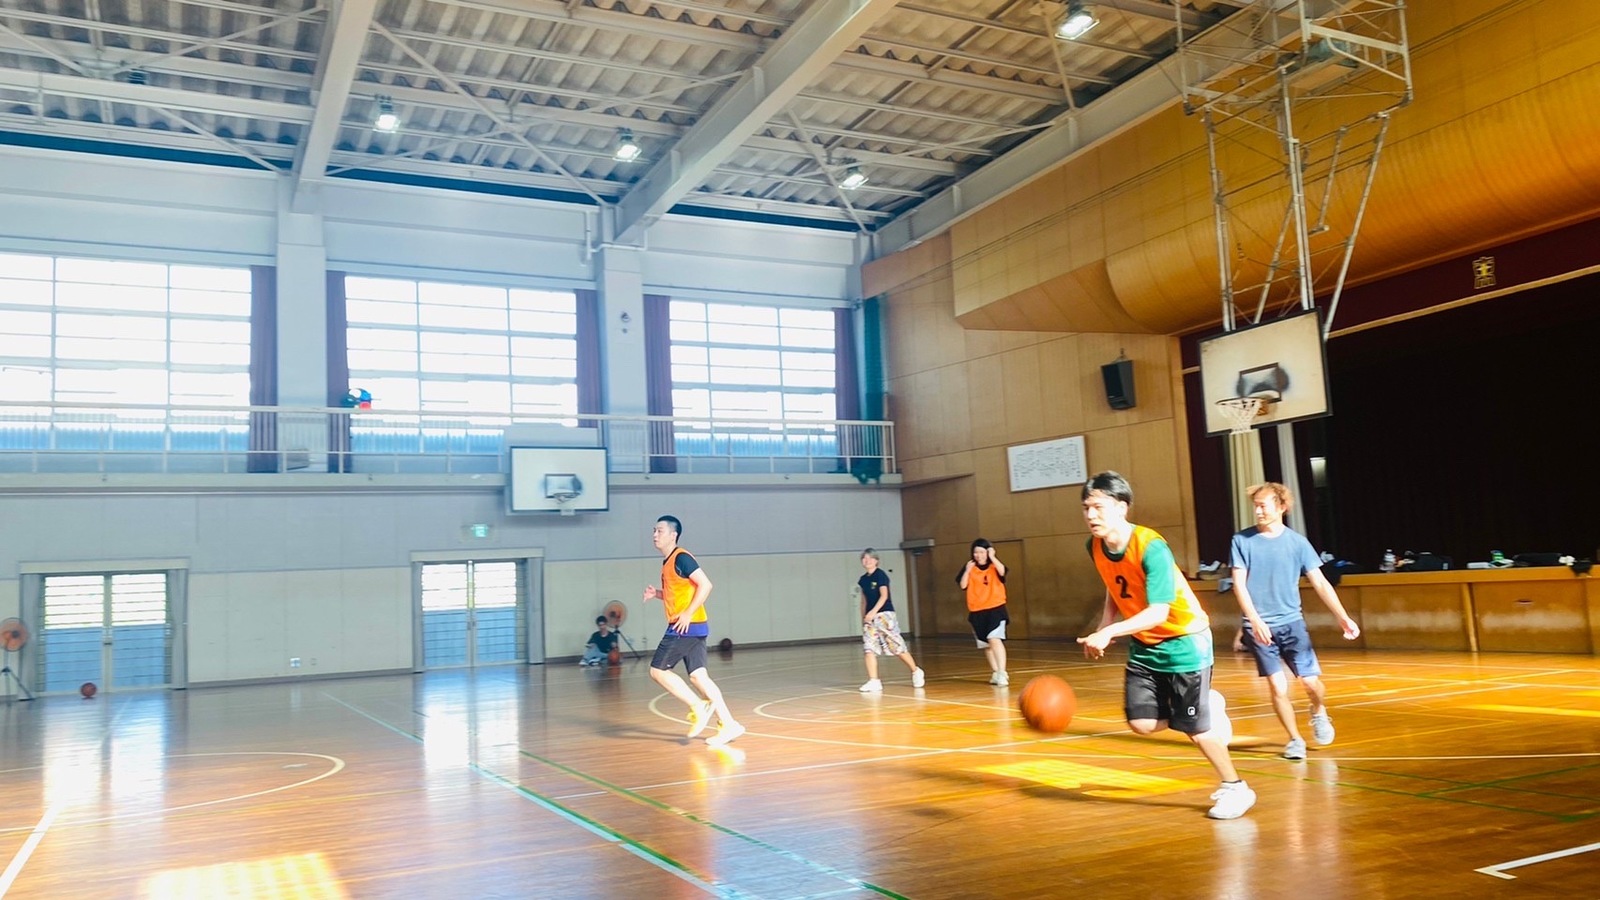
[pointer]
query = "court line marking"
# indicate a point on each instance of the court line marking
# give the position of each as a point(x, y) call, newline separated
point(605, 833)
point(27, 848)
point(338, 765)
point(619, 790)
point(1538, 710)
point(1499, 870)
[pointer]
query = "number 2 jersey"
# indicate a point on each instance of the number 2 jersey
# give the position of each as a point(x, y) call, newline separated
point(1145, 574)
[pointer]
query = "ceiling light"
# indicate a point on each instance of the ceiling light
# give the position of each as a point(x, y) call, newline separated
point(627, 149)
point(1077, 22)
point(386, 121)
point(853, 178)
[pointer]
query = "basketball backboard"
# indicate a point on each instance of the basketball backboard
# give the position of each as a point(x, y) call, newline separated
point(557, 479)
point(1281, 361)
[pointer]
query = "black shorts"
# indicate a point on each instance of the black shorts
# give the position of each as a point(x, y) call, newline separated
point(988, 623)
point(675, 647)
point(1181, 699)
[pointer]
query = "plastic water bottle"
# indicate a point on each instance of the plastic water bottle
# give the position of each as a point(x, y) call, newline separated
point(1388, 561)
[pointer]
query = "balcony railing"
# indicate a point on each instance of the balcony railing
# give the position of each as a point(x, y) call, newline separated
point(64, 438)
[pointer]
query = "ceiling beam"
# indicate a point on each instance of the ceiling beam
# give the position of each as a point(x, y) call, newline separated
point(1156, 9)
point(827, 29)
point(149, 95)
point(1125, 106)
point(343, 39)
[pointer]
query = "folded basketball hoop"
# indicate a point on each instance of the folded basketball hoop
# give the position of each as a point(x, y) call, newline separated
point(1241, 412)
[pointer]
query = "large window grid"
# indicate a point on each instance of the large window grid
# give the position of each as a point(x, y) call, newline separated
point(454, 348)
point(746, 379)
point(90, 331)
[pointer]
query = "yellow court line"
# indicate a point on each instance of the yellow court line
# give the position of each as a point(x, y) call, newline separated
point(1539, 710)
point(1069, 776)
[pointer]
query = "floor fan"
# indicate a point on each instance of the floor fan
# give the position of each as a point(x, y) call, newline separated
point(13, 637)
point(616, 612)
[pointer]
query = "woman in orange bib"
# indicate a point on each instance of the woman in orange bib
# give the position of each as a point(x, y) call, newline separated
point(984, 580)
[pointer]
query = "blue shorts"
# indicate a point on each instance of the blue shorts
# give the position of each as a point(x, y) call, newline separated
point(1291, 646)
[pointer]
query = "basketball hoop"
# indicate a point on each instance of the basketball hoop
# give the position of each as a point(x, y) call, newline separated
point(564, 502)
point(1241, 412)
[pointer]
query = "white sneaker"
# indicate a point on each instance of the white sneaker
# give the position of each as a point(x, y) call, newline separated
point(1322, 728)
point(699, 718)
point(731, 730)
point(1295, 749)
point(872, 686)
point(1221, 725)
point(1000, 678)
point(1233, 800)
point(918, 679)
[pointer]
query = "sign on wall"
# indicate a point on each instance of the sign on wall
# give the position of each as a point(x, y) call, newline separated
point(1047, 464)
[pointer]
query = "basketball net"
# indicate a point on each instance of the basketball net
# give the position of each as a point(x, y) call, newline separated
point(1241, 412)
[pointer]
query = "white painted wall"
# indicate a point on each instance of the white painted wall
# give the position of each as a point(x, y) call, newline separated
point(72, 203)
point(755, 598)
point(327, 577)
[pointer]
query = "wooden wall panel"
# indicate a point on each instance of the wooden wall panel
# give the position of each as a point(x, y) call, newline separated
point(1494, 146)
point(1414, 617)
point(1537, 617)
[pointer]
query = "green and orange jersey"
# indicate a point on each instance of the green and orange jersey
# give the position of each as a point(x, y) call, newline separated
point(1145, 574)
point(986, 587)
point(677, 590)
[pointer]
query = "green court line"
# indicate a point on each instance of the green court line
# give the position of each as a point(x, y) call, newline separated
point(600, 830)
point(700, 820)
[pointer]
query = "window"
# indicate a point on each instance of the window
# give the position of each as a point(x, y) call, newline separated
point(94, 330)
point(462, 348)
point(753, 362)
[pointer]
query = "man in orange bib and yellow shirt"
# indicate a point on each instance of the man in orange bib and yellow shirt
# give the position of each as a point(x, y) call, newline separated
point(683, 592)
point(1167, 683)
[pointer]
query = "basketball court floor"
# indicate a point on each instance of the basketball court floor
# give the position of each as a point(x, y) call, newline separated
point(1453, 775)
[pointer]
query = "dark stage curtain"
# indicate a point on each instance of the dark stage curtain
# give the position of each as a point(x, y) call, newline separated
point(658, 374)
point(338, 374)
point(263, 455)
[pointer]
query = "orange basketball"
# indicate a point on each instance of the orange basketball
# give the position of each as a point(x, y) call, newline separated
point(615, 657)
point(88, 690)
point(1048, 704)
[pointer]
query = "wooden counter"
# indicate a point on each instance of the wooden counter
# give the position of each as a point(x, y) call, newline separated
point(1544, 610)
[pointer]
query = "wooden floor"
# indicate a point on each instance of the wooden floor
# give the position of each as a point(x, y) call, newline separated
point(1453, 776)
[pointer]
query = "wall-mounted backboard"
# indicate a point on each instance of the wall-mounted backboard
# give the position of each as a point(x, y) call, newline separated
point(561, 480)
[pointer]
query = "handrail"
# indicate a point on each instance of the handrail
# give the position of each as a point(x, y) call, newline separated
point(82, 436)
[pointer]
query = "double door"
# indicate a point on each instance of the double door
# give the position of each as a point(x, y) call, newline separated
point(114, 630)
point(473, 613)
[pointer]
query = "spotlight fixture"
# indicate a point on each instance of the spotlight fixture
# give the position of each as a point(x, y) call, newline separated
point(1076, 23)
point(853, 178)
point(627, 149)
point(387, 121)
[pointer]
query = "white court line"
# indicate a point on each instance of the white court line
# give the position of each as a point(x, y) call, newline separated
point(1498, 871)
point(21, 859)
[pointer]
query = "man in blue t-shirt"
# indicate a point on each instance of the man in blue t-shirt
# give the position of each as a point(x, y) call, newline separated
point(1267, 562)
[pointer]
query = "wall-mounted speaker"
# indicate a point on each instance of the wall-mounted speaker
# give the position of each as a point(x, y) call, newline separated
point(1119, 383)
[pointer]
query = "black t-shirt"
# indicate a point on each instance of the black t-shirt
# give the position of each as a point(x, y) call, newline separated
point(605, 643)
point(869, 591)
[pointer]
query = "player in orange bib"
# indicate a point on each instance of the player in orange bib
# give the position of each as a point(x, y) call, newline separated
point(1167, 683)
point(683, 592)
point(984, 580)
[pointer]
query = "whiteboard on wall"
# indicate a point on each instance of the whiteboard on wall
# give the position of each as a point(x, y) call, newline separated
point(1047, 464)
